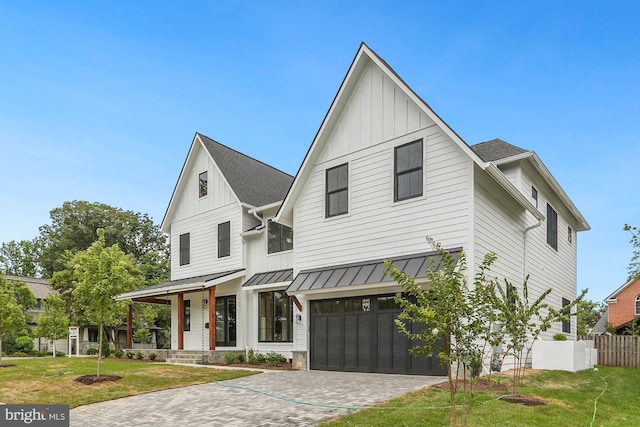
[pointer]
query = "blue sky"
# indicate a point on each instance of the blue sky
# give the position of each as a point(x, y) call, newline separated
point(99, 101)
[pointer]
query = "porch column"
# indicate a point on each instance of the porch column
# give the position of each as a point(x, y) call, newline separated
point(180, 321)
point(212, 318)
point(130, 326)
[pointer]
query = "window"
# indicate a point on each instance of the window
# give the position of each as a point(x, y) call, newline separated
point(552, 227)
point(534, 196)
point(408, 171)
point(275, 314)
point(203, 183)
point(224, 239)
point(280, 238)
point(566, 325)
point(92, 334)
point(226, 321)
point(186, 314)
point(185, 251)
point(569, 235)
point(638, 305)
point(337, 187)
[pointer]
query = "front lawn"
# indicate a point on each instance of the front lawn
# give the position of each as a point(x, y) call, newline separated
point(569, 396)
point(51, 381)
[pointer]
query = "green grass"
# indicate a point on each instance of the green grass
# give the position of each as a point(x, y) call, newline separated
point(39, 380)
point(570, 402)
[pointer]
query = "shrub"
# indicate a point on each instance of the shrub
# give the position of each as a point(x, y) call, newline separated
point(560, 337)
point(129, 355)
point(61, 354)
point(230, 358)
point(142, 335)
point(241, 357)
point(92, 351)
point(152, 356)
point(255, 357)
point(274, 359)
point(139, 355)
point(20, 354)
point(118, 354)
point(4, 354)
point(167, 346)
point(24, 344)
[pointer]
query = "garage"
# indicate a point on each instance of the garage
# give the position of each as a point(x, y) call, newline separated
point(359, 334)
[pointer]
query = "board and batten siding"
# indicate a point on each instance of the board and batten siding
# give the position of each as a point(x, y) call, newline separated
point(376, 226)
point(203, 229)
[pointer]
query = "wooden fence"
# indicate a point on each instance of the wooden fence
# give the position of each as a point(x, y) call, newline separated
point(618, 350)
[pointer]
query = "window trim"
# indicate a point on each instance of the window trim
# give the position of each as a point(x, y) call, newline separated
point(272, 310)
point(228, 342)
point(281, 239)
point(552, 227)
point(184, 250)
point(328, 193)
point(397, 174)
point(203, 190)
point(534, 196)
point(222, 238)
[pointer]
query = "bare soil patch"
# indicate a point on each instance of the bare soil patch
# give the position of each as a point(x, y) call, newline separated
point(524, 400)
point(93, 379)
point(6, 365)
point(492, 385)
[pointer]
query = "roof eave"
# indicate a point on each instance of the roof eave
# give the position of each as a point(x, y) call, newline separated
point(508, 186)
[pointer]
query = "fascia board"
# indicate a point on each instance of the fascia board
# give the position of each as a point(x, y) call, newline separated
point(614, 294)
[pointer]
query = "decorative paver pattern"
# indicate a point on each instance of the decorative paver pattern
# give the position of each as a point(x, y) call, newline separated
point(274, 398)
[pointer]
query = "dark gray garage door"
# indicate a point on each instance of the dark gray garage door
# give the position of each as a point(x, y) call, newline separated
point(359, 334)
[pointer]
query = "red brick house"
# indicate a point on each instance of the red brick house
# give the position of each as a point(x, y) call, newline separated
point(624, 304)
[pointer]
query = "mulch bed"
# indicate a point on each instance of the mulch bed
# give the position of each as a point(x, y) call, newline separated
point(285, 366)
point(524, 400)
point(93, 379)
point(6, 365)
point(483, 384)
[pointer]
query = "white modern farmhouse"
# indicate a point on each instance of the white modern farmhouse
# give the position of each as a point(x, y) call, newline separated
point(267, 261)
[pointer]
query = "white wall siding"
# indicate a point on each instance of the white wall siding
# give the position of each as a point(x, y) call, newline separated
point(376, 226)
point(204, 242)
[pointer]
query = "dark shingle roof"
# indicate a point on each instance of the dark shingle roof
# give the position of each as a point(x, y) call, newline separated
point(254, 182)
point(40, 287)
point(496, 149)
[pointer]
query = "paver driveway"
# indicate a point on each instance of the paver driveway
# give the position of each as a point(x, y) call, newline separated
point(274, 398)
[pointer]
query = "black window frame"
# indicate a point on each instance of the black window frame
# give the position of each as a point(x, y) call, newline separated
point(398, 174)
point(569, 235)
point(269, 333)
point(552, 227)
point(278, 237)
point(185, 249)
point(226, 319)
point(331, 192)
point(566, 324)
point(186, 315)
point(203, 184)
point(534, 196)
point(224, 239)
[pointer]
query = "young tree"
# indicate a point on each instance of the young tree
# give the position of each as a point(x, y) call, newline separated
point(12, 296)
point(587, 315)
point(20, 258)
point(53, 323)
point(456, 319)
point(101, 273)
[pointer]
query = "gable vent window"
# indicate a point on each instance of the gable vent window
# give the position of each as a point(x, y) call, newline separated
point(280, 238)
point(203, 184)
point(337, 191)
point(534, 196)
point(185, 249)
point(408, 171)
point(224, 239)
point(552, 227)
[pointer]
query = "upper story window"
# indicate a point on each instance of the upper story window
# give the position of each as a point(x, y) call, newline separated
point(408, 171)
point(552, 227)
point(637, 306)
point(534, 196)
point(203, 184)
point(224, 239)
point(337, 191)
point(569, 235)
point(566, 325)
point(280, 238)
point(185, 248)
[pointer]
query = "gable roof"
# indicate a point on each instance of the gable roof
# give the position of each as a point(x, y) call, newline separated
point(253, 182)
point(496, 149)
point(617, 292)
point(40, 287)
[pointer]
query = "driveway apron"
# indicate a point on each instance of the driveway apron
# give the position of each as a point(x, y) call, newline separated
point(273, 398)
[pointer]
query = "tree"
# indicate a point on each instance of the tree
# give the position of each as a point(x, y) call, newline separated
point(21, 258)
point(587, 314)
point(74, 226)
point(53, 323)
point(101, 273)
point(12, 296)
point(634, 263)
point(452, 318)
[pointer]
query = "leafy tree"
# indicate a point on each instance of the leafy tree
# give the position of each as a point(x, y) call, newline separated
point(74, 226)
point(634, 264)
point(21, 258)
point(12, 319)
point(587, 314)
point(455, 319)
point(53, 323)
point(142, 335)
point(100, 273)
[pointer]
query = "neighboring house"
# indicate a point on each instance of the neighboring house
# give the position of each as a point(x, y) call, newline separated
point(294, 265)
point(624, 305)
